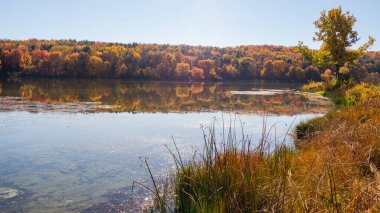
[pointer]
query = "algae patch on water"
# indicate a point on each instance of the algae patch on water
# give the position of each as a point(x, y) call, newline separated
point(7, 193)
point(20, 104)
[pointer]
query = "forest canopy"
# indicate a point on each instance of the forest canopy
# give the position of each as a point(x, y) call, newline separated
point(88, 59)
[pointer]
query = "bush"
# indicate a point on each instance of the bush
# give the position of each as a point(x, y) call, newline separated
point(312, 73)
point(307, 128)
point(361, 93)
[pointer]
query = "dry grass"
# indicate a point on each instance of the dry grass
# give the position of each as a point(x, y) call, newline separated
point(231, 175)
point(314, 86)
point(340, 161)
point(334, 169)
point(235, 176)
point(340, 164)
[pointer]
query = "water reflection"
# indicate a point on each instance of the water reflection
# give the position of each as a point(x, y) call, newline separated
point(69, 162)
point(168, 97)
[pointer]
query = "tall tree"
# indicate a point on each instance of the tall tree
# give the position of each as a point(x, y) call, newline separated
point(335, 30)
point(268, 70)
point(182, 70)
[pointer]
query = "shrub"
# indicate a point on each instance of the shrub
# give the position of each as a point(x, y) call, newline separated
point(312, 73)
point(362, 93)
point(327, 75)
point(307, 128)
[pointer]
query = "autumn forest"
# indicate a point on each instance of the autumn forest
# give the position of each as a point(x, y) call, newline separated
point(87, 59)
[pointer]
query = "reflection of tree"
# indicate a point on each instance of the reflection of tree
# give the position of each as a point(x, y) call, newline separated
point(163, 97)
point(196, 88)
point(182, 92)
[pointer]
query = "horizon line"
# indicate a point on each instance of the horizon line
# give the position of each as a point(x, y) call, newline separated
point(153, 43)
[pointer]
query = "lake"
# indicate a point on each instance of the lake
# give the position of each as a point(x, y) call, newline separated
point(75, 145)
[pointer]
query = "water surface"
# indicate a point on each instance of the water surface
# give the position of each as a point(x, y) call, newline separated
point(66, 145)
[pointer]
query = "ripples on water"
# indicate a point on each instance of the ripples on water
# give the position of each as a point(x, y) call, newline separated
point(64, 149)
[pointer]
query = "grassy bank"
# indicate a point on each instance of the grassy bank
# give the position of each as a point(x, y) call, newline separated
point(235, 176)
point(340, 152)
point(334, 166)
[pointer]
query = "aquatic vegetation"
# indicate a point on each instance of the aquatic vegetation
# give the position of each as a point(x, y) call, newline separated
point(19, 104)
point(7, 193)
point(118, 96)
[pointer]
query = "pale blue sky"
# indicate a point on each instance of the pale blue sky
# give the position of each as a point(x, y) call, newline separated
point(205, 22)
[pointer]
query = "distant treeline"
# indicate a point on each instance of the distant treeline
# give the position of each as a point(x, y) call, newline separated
point(151, 97)
point(87, 59)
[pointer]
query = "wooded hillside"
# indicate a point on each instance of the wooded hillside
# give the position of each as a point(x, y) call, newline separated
point(87, 59)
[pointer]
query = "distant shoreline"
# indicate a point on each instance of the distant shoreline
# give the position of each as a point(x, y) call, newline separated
point(100, 60)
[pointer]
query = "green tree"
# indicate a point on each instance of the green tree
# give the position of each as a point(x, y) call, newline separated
point(335, 31)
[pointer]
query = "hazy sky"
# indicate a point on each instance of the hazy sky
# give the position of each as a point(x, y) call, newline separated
point(204, 22)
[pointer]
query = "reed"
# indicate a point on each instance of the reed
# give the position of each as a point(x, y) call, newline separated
point(235, 174)
point(334, 168)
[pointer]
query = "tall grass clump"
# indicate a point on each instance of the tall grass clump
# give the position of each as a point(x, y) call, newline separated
point(162, 201)
point(334, 168)
point(235, 175)
point(314, 86)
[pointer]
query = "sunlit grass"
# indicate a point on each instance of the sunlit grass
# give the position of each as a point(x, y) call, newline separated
point(334, 167)
point(314, 86)
point(234, 175)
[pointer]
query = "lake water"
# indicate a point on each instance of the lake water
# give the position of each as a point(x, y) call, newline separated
point(74, 145)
